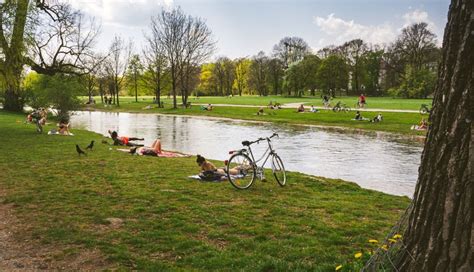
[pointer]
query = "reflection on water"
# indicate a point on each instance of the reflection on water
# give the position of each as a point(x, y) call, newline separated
point(378, 161)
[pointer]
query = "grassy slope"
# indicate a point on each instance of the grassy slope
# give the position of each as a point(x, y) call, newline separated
point(393, 121)
point(373, 102)
point(173, 223)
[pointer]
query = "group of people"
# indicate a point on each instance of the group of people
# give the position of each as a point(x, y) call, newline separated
point(40, 116)
point(302, 109)
point(376, 119)
point(108, 100)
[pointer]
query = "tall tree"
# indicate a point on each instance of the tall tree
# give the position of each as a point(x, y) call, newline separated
point(441, 224)
point(333, 74)
point(258, 74)
point(275, 75)
point(242, 66)
point(187, 42)
point(50, 37)
point(118, 63)
point(290, 50)
point(156, 62)
point(135, 69)
point(353, 51)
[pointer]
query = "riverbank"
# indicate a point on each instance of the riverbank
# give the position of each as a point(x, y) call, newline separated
point(394, 122)
point(144, 213)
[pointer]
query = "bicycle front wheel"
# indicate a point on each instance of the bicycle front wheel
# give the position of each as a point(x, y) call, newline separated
point(278, 170)
point(241, 171)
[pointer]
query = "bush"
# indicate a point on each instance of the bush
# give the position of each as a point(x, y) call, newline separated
point(59, 92)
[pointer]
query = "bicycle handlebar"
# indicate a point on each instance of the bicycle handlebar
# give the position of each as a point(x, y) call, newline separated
point(248, 143)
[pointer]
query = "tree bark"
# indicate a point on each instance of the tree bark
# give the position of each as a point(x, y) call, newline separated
point(440, 229)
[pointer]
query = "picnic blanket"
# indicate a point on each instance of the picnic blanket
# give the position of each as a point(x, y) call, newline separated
point(217, 179)
point(55, 132)
point(163, 154)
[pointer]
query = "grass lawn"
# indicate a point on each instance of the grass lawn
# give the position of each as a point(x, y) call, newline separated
point(169, 222)
point(393, 121)
point(372, 102)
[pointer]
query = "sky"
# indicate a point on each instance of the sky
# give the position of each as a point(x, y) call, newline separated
point(244, 27)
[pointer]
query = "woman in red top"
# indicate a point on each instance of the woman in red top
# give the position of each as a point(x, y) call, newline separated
point(361, 100)
point(123, 140)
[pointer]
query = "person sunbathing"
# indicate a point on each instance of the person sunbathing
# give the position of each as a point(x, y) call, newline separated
point(300, 108)
point(63, 127)
point(207, 166)
point(123, 140)
point(154, 150)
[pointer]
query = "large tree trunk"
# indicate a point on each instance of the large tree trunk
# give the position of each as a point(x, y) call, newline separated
point(440, 231)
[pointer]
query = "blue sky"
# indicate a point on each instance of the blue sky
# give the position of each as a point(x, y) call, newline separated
point(243, 28)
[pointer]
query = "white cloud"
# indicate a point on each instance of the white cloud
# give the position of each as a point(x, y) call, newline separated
point(128, 13)
point(418, 16)
point(341, 30)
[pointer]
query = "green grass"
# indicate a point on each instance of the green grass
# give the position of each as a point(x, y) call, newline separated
point(372, 102)
point(395, 122)
point(173, 223)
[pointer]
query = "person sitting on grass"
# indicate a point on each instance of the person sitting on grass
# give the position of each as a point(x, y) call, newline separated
point(358, 117)
point(422, 126)
point(313, 109)
point(300, 108)
point(63, 126)
point(122, 140)
point(207, 108)
point(260, 111)
point(378, 118)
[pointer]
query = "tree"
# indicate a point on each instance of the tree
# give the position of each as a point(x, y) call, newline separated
point(242, 67)
point(440, 226)
point(156, 63)
point(59, 91)
point(50, 37)
point(187, 42)
point(416, 45)
point(372, 60)
point(353, 52)
point(135, 68)
point(290, 50)
point(258, 74)
point(275, 74)
point(118, 64)
point(309, 67)
point(333, 74)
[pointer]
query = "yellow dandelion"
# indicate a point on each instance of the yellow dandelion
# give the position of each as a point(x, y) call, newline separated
point(358, 255)
point(338, 267)
point(385, 247)
point(397, 236)
point(392, 240)
point(373, 241)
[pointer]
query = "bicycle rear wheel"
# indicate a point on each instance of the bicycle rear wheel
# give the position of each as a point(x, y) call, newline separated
point(241, 171)
point(278, 170)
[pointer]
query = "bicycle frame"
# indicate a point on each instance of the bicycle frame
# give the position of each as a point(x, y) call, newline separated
point(267, 154)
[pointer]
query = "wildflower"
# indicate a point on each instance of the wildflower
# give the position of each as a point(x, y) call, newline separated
point(373, 241)
point(358, 255)
point(338, 267)
point(397, 236)
point(392, 240)
point(385, 247)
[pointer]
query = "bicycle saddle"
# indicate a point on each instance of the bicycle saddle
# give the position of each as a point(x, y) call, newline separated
point(245, 143)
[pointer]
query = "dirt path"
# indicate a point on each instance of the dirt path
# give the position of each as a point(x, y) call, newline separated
point(19, 253)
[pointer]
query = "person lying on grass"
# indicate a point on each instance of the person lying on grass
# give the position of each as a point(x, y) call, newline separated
point(208, 167)
point(155, 150)
point(358, 117)
point(207, 108)
point(122, 140)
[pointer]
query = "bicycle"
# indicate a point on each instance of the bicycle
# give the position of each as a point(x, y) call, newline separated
point(359, 105)
point(424, 109)
point(243, 162)
point(341, 107)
